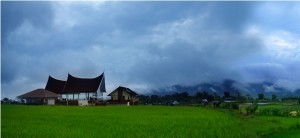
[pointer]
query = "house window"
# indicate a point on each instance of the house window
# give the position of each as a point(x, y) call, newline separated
point(123, 97)
point(112, 98)
point(128, 97)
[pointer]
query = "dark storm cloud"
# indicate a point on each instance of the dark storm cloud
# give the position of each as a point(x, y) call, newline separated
point(143, 45)
point(15, 13)
point(185, 63)
point(233, 15)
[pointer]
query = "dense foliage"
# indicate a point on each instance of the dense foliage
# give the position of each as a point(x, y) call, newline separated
point(185, 98)
point(279, 110)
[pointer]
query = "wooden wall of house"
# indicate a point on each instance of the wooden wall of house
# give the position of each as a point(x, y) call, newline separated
point(126, 96)
point(115, 95)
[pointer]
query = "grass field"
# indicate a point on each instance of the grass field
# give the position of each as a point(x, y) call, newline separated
point(138, 121)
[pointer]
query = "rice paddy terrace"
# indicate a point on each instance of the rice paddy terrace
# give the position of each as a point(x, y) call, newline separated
point(140, 121)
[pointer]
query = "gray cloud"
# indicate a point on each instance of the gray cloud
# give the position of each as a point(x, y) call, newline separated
point(143, 45)
point(13, 14)
point(278, 15)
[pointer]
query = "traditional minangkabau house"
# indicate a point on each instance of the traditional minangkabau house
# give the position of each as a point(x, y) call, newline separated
point(77, 91)
point(122, 95)
point(39, 96)
point(87, 86)
point(73, 91)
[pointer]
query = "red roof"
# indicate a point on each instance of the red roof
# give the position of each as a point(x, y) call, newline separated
point(38, 93)
point(55, 85)
point(82, 85)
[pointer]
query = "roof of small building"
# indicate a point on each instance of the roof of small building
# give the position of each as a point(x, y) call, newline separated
point(38, 93)
point(131, 92)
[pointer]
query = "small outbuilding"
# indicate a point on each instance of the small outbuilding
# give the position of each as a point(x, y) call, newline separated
point(175, 103)
point(39, 96)
point(123, 95)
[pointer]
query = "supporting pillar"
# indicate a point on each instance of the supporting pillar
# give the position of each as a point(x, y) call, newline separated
point(96, 95)
point(67, 97)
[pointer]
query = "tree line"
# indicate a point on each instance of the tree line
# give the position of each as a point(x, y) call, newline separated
point(185, 98)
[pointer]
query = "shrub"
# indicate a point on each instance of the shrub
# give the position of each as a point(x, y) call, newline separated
point(283, 111)
point(251, 109)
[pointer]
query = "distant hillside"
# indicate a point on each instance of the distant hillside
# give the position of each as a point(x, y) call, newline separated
point(232, 86)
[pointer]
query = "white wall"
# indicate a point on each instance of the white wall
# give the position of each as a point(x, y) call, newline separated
point(83, 102)
point(51, 101)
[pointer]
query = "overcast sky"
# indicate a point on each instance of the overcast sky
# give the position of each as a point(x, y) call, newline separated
point(148, 45)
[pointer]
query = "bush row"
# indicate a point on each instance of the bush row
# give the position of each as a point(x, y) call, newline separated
point(277, 111)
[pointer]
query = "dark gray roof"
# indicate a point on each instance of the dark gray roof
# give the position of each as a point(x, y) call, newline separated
point(82, 85)
point(131, 92)
point(55, 85)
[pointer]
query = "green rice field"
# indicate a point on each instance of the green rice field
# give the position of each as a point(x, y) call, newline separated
point(140, 121)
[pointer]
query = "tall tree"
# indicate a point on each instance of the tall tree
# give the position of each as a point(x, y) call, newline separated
point(205, 95)
point(226, 94)
point(261, 96)
point(155, 99)
point(274, 97)
point(5, 99)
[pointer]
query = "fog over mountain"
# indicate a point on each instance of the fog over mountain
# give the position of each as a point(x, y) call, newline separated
point(149, 46)
point(231, 86)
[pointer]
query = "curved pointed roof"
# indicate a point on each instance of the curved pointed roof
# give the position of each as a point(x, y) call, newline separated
point(81, 85)
point(55, 85)
point(38, 93)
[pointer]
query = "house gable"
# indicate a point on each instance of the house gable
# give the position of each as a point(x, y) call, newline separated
point(122, 94)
